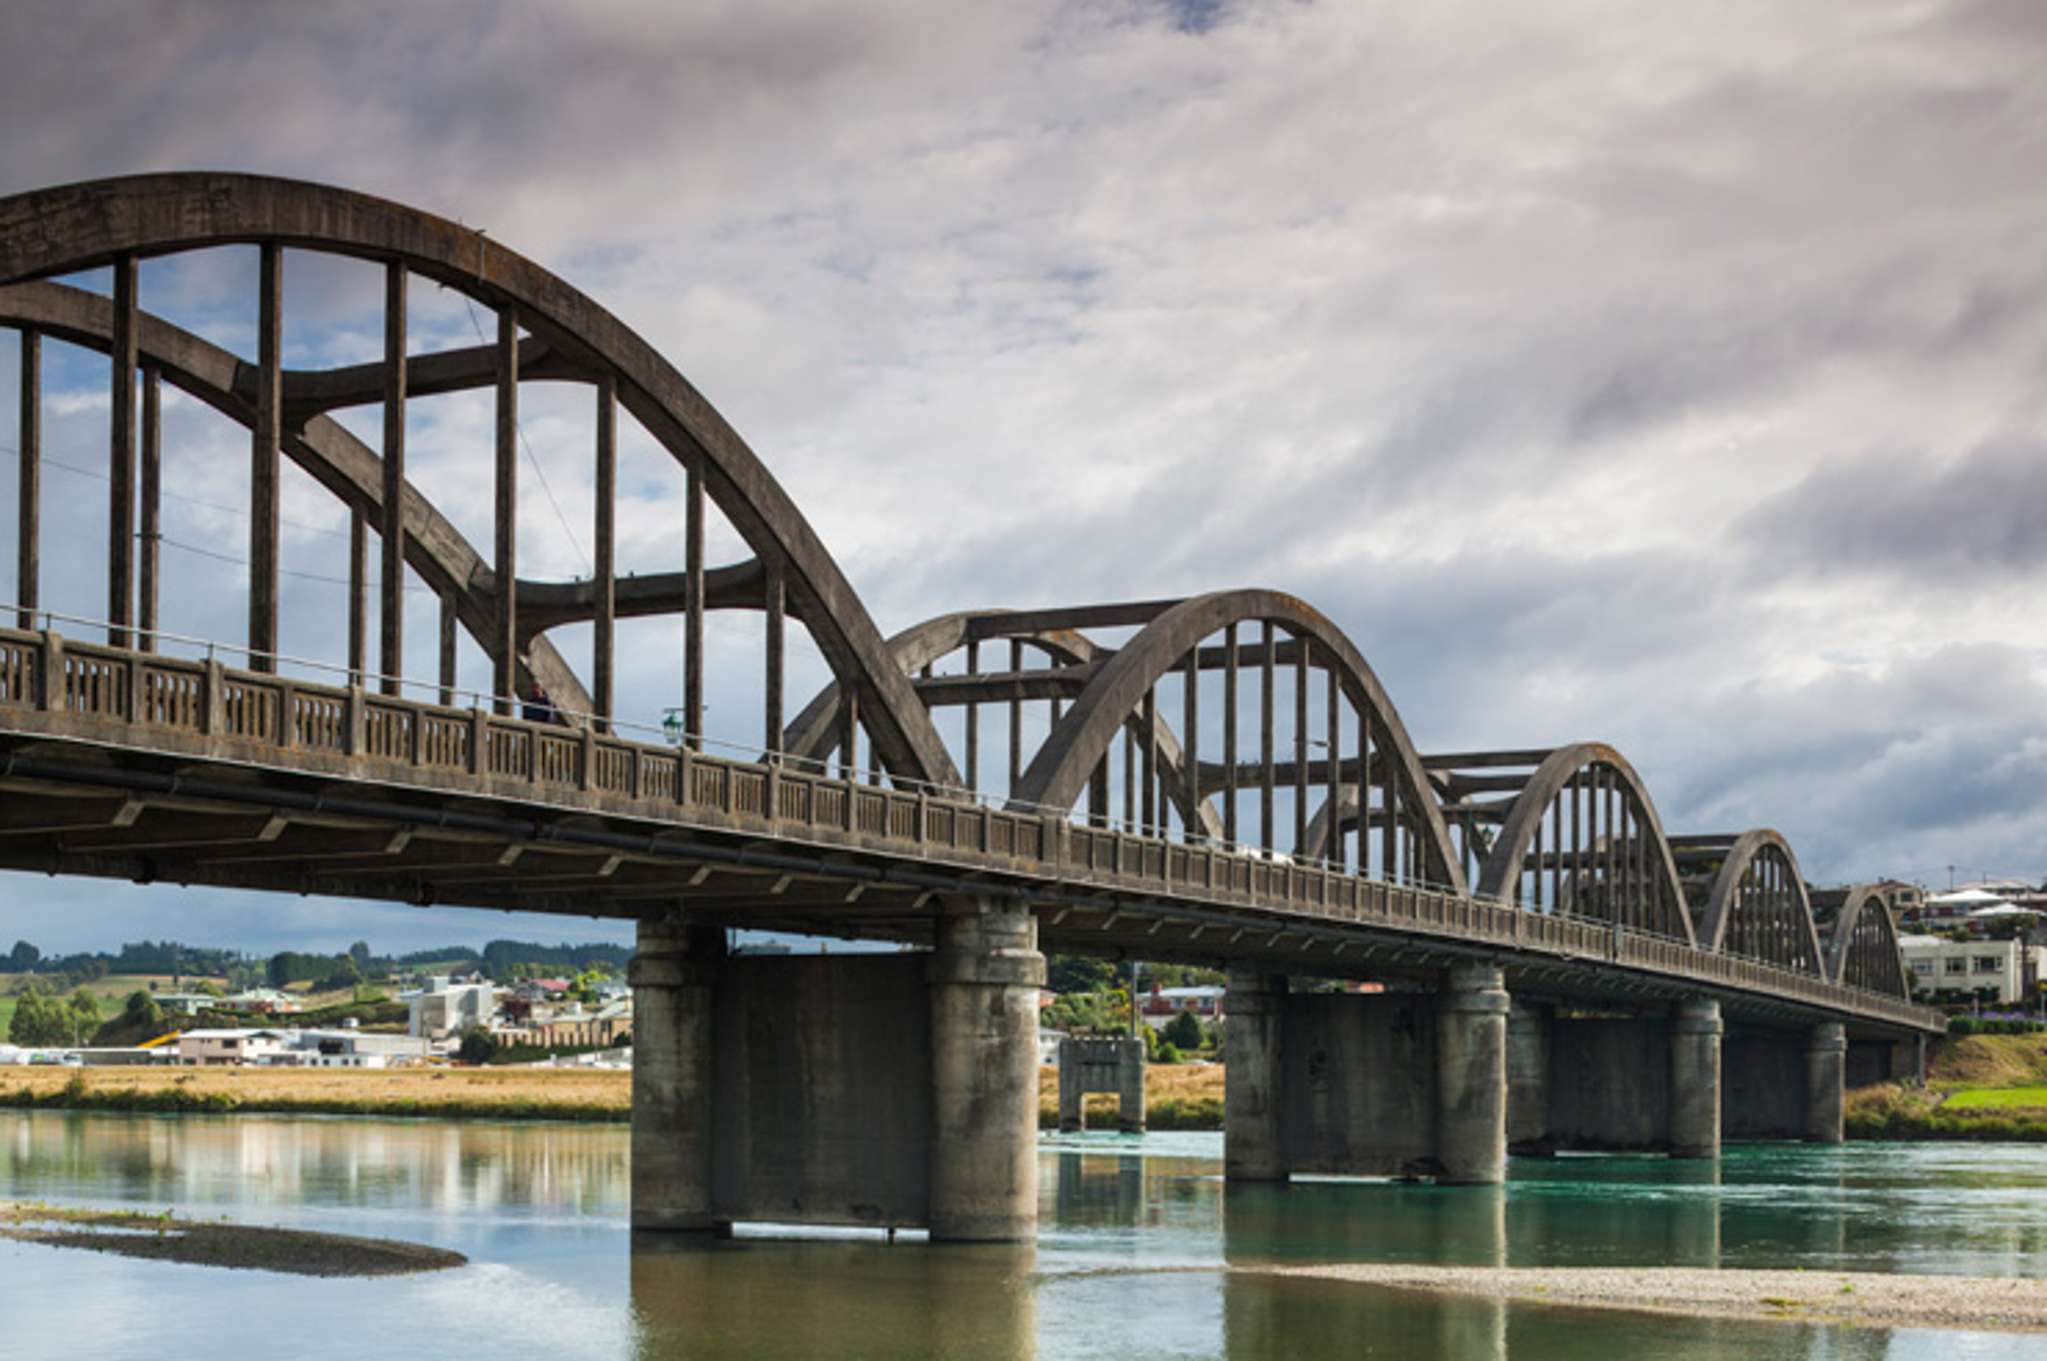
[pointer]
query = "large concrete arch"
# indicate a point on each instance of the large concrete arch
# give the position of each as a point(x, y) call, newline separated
point(1566, 768)
point(1062, 767)
point(1759, 892)
point(1862, 947)
point(60, 230)
point(325, 449)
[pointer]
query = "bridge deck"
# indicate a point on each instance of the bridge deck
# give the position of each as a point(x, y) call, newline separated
point(146, 767)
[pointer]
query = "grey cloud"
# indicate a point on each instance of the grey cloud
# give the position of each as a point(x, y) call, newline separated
point(1911, 517)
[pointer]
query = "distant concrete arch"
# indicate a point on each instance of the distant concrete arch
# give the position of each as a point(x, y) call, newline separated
point(1862, 946)
point(1758, 907)
point(1077, 747)
point(1584, 831)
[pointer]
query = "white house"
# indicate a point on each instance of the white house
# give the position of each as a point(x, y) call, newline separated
point(1960, 969)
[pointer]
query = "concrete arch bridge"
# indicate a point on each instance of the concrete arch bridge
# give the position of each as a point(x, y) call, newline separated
point(1220, 779)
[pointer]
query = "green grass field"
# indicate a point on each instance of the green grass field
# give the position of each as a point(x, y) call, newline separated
point(1998, 1099)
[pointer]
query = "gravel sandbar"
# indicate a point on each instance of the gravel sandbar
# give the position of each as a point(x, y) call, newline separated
point(247, 1247)
point(1858, 1299)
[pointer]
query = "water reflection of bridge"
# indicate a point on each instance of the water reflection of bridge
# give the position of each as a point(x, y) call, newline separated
point(1221, 779)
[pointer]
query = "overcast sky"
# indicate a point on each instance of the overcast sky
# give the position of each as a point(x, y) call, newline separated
point(1662, 376)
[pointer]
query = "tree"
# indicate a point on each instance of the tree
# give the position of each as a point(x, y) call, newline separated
point(82, 1015)
point(32, 1023)
point(477, 1046)
point(25, 957)
point(1078, 973)
point(141, 1010)
point(1184, 1032)
point(360, 953)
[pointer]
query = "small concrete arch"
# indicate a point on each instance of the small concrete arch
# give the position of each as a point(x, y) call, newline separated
point(1862, 948)
point(1584, 831)
point(1758, 907)
point(1172, 641)
point(818, 730)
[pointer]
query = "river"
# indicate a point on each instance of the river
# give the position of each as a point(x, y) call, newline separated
point(1130, 1261)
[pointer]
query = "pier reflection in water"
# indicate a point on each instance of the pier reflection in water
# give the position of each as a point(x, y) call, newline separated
point(769, 1298)
point(1143, 1251)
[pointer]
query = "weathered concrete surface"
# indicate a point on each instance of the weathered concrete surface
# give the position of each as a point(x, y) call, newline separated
point(984, 982)
point(1471, 1076)
point(673, 974)
point(1528, 1081)
point(1826, 1053)
point(1101, 1065)
point(1872, 1061)
point(1695, 1032)
point(1358, 1091)
point(823, 1104)
point(1610, 1083)
point(1762, 1086)
point(1254, 1131)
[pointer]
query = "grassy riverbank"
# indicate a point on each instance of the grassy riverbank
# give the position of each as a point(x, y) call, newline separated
point(444, 1093)
point(1991, 1087)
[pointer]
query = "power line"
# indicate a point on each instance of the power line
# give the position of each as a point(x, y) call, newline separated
point(234, 561)
point(519, 428)
point(236, 511)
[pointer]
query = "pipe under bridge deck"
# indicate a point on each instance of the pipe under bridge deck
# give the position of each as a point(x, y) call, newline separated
point(1220, 780)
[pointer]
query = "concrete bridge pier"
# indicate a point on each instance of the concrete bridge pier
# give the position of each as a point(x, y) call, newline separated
point(1471, 1076)
point(1826, 1057)
point(876, 1090)
point(1528, 1026)
point(985, 979)
point(1695, 1031)
point(674, 974)
point(1254, 1130)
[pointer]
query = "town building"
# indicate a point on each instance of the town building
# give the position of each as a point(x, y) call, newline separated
point(284, 1048)
point(1159, 1006)
point(572, 1028)
point(444, 1007)
point(2000, 972)
point(219, 1048)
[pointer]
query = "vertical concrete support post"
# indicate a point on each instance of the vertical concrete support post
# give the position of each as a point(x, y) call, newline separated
point(1528, 1081)
point(985, 978)
point(1254, 1130)
point(1826, 1058)
point(674, 973)
point(1130, 1087)
point(1695, 1031)
point(1471, 1076)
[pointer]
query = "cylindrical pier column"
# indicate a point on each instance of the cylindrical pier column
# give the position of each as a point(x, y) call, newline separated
point(673, 973)
point(1254, 1133)
point(1528, 1081)
point(1826, 1059)
point(985, 978)
point(1695, 1031)
point(1471, 1076)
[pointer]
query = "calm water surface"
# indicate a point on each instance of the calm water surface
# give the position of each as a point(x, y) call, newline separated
point(1130, 1258)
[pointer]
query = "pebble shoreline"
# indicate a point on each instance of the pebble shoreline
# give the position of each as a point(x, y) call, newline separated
point(1855, 1299)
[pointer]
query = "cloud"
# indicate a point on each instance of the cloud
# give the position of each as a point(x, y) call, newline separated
point(1671, 381)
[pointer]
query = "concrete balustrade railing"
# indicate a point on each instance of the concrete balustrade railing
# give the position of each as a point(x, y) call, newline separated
point(350, 731)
